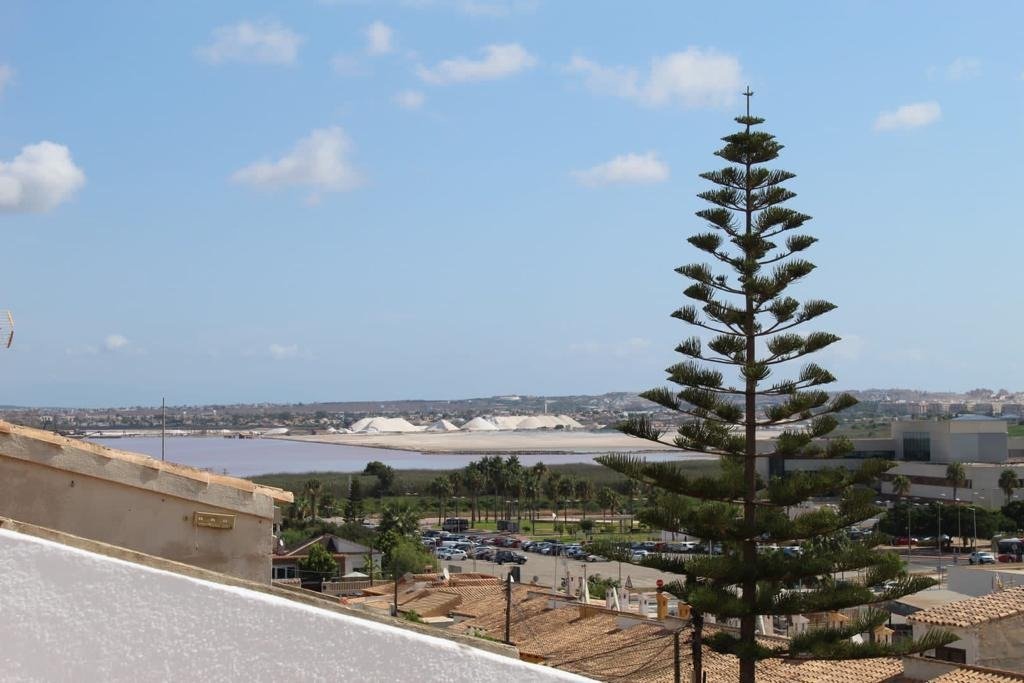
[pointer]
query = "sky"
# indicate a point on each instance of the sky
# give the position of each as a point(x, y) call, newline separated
point(239, 202)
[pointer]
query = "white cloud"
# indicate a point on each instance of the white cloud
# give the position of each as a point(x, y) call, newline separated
point(319, 161)
point(477, 8)
point(347, 65)
point(909, 116)
point(39, 178)
point(410, 99)
point(264, 42)
point(379, 38)
point(6, 77)
point(499, 61)
point(115, 342)
point(281, 351)
point(625, 168)
point(693, 78)
point(963, 68)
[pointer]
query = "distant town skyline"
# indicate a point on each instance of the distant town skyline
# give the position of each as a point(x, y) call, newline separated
point(345, 200)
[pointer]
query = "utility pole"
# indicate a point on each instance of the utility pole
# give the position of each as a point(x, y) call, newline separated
point(508, 609)
point(163, 425)
point(394, 576)
point(372, 566)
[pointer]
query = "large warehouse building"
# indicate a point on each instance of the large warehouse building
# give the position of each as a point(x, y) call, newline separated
point(924, 448)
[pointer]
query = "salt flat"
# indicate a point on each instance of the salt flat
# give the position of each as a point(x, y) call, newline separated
point(494, 442)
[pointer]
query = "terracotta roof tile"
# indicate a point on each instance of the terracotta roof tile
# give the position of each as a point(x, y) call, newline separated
point(997, 605)
point(592, 643)
point(969, 675)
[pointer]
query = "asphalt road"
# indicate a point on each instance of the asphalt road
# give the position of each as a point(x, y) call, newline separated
point(544, 568)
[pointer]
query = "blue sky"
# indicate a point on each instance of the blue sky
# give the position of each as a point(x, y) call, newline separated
point(265, 201)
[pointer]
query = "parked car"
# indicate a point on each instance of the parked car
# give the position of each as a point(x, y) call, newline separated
point(982, 558)
point(680, 547)
point(503, 556)
point(482, 552)
point(903, 540)
point(456, 524)
point(451, 554)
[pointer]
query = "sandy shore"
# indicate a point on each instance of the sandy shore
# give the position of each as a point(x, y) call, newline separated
point(494, 442)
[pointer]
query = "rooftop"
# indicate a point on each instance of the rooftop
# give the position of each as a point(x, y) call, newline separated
point(980, 610)
point(973, 675)
point(115, 614)
point(610, 646)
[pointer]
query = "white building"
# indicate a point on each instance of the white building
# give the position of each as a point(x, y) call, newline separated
point(923, 449)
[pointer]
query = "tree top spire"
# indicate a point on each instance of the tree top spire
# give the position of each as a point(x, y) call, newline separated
point(748, 120)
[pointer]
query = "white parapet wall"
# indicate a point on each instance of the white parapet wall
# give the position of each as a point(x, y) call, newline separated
point(70, 614)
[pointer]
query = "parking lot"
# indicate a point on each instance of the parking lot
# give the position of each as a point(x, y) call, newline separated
point(542, 570)
point(550, 570)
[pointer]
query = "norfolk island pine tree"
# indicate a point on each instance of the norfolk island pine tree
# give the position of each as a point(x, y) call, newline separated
point(748, 320)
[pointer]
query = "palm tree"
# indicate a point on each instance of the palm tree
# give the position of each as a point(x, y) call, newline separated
point(314, 491)
point(517, 488)
point(511, 472)
point(441, 487)
point(493, 468)
point(901, 487)
point(475, 481)
point(1008, 482)
point(615, 507)
point(606, 499)
point(957, 476)
point(551, 487)
point(566, 489)
point(531, 488)
point(586, 492)
point(539, 469)
point(455, 479)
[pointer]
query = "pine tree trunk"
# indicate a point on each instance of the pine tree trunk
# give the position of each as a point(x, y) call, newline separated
point(749, 475)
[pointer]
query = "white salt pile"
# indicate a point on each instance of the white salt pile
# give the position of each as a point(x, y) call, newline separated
point(376, 425)
point(479, 424)
point(442, 426)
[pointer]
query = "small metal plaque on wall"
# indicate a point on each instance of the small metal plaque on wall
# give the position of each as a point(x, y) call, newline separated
point(214, 520)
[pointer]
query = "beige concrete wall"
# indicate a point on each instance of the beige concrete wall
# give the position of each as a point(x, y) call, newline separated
point(141, 508)
point(1001, 645)
point(997, 644)
point(967, 639)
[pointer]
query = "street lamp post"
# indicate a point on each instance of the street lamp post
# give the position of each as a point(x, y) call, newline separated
point(974, 522)
point(939, 506)
point(910, 539)
point(959, 531)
